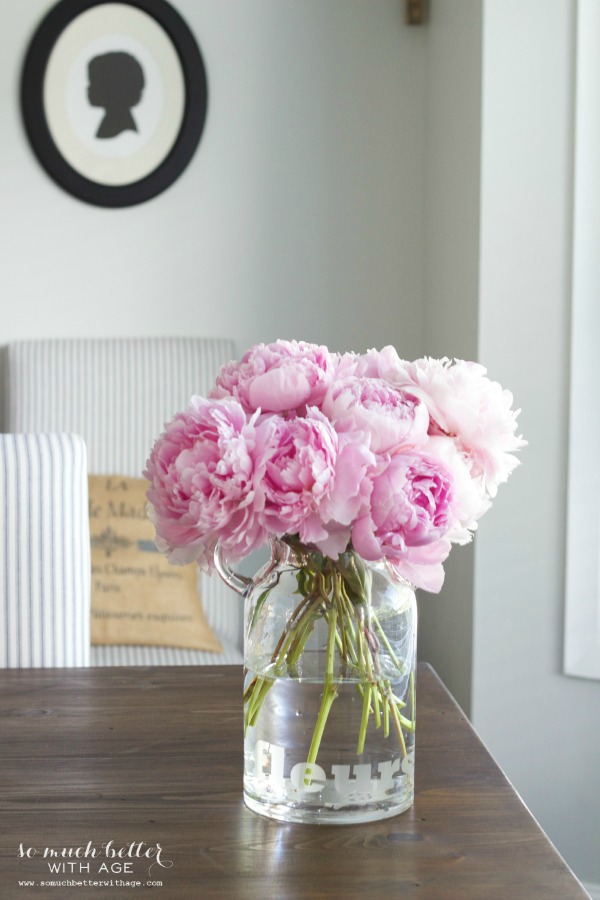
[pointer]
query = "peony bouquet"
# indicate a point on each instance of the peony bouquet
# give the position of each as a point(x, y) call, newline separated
point(397, 459)
point(344, 457)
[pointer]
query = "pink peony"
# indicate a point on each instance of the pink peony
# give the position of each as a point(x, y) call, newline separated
point(422, 566)
point(392, 418)
point(278, 377)
point(410, 506)
point(205, 485)
point(465, 405)
point(314, 482)
point(469, 499)
point(377, 363)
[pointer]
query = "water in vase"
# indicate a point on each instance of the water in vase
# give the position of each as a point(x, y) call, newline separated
point(345, 783)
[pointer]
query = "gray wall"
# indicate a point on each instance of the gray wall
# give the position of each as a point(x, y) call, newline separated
point(451, 186)
point(299, 216)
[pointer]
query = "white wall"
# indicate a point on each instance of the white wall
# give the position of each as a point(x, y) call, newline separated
point(543, 727)
point(299, 216)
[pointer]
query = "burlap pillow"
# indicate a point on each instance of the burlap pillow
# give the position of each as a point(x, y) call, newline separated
point(137, 596)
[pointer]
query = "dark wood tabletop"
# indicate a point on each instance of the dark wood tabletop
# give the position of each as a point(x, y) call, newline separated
point(100, 761)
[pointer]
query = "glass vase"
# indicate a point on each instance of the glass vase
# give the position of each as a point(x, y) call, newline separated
point(329, 686)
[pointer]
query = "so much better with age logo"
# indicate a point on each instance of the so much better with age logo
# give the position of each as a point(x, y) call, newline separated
point(107, 864)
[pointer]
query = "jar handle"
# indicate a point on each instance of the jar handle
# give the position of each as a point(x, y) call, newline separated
point(239, 583)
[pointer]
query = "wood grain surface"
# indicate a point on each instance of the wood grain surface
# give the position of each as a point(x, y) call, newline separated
point(154, 755)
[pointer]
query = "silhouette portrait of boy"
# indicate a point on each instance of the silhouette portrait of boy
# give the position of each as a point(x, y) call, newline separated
point(116, 82)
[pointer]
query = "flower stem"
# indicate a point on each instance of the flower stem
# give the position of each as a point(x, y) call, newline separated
point(394, 712)
point(385, 642)
point(364, 720)
point(386, 719)
point(258, 698)
point(356, 642)
point(330, 691)
point(376, 705)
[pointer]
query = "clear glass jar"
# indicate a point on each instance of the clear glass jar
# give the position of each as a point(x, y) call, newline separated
point(329, 690)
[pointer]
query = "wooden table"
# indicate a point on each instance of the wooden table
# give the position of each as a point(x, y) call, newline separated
point(142, 757)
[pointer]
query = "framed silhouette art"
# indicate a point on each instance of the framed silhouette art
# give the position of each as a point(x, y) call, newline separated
point(114, 98)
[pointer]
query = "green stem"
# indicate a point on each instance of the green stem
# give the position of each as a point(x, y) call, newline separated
point(386, 719)
point(376, 705)
point(386, 643)
point(329, 692)
point(394, 712)
point(280, 655)
point(340, 608)
point(258, 697)
point(341, 596)
point(399, 703)
point(364, 720)
point(304, 631)
point(284, 634)
point(410, 726)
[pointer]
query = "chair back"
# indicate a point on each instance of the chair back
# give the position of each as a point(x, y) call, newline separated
point(44, 551)
point(118, 393)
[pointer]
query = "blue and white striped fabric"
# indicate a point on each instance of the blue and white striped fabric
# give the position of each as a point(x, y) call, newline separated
point(118, 393)
point(44, 551)
point(130, 655)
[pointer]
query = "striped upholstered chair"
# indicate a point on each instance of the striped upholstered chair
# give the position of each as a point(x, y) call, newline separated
point(44, 551)
point(118, 394)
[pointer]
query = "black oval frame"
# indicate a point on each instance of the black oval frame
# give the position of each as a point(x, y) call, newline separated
point(34, 114)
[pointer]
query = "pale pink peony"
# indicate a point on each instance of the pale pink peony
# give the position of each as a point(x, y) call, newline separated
point(278, 377)
point(410, 506)
point(392, 418)
point(422, 566)
point(377, 363)
point(205, 485)
point(469, 499)
point(314, 482)
point(465, 405)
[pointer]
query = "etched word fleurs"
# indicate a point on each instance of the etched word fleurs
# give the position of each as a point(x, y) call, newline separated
point(359, 783)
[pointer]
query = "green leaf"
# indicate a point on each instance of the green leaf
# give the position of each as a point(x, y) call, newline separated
point(258, 607)
point(301, 579)
point(357, 577)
